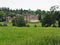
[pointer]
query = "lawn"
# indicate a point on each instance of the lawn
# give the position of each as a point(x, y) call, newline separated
point(29, 36)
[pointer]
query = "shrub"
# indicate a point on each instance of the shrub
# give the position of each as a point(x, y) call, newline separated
point(4, 24)
point(19, 21)
point(27, 25)
point(13, 23)
point(35, 25)
point(48, 20)
point(1, 25)
point(58, 23)
point(54, 25)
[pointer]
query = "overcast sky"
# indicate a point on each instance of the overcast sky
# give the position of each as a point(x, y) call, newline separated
point(26, 4)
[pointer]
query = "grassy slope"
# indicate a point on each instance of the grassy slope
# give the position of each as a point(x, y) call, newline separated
point(29, 36)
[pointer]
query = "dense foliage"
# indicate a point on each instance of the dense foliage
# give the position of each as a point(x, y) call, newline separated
point(19, 21)
point(47, 18)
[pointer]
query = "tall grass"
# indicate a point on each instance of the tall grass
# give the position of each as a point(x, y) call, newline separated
point(29, 36)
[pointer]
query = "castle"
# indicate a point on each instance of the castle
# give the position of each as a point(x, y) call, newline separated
point(27, 17)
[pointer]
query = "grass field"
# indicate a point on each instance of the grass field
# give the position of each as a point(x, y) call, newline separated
point(29, 36)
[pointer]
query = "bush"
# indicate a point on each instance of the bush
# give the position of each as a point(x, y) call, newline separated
point(13, 23)
point(27, 25)
point(35, 25)
point(5, 24)
point(58, 23)
point(1, 25)
point(48, 20)
point(54, 25)
point(19, 21)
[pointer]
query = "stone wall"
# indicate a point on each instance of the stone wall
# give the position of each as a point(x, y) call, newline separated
point(27, 17)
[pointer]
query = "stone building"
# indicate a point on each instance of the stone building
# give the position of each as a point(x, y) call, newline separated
point(27, 17)
point(31, 17)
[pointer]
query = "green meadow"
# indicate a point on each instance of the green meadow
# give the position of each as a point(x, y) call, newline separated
point(29, 36)
point(29, 26)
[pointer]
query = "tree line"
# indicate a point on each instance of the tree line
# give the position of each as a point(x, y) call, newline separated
point(47, 18)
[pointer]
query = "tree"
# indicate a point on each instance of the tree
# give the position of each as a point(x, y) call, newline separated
point(21, 11)
point(39, 13)
point(54, 8)
point(12, 14)
point(19, 21)
point(43, 14)
point(47, 20)
point(57, 13)
point(25, 11)
point(2, 15)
